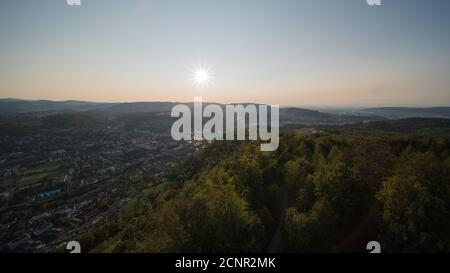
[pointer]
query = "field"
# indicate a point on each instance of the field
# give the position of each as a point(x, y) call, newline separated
point(41, 172)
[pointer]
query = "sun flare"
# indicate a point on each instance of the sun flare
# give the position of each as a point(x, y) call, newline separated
point(201, 76)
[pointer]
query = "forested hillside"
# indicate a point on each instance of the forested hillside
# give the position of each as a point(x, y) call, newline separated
point(314, 194)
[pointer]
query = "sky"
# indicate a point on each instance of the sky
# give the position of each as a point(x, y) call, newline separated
point(334, 53)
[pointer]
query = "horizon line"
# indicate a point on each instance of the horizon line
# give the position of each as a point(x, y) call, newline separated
point(185, 102)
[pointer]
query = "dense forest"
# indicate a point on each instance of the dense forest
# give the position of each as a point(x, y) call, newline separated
point(316, 193)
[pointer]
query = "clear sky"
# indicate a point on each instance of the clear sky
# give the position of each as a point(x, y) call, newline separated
point(288, 52)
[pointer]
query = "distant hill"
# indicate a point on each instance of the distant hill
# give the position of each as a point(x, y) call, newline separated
point(288, 115)
point(14, 106)
point(292, 113)
point(417, 126)
point(305, 116)
point(405, 112)
point(140, 107)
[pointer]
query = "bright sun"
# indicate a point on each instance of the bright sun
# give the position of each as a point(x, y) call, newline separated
point(201, 77)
